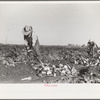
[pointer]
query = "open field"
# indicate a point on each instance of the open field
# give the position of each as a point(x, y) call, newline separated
point(61, 64)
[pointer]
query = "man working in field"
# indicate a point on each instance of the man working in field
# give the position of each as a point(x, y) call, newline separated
point(90, 47)
point(27, 32)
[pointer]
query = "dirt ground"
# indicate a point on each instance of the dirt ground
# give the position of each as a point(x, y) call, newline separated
point(16, 67)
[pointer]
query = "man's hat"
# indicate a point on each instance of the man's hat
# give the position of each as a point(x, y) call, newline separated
point(27, 28)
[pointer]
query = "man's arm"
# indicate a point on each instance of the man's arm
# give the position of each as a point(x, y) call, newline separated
point(31, 31)
point(96, 45)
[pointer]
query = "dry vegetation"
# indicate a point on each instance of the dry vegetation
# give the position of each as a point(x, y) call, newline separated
point(61, 64)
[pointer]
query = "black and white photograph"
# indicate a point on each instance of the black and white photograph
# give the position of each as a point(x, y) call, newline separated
point(49, 42)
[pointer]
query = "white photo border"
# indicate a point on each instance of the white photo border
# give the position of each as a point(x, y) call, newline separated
point(50, 91)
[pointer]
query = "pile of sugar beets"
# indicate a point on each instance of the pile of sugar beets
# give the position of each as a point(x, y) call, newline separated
point(83, 69)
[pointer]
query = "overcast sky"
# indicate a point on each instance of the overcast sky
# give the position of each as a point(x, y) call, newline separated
point(53, 23)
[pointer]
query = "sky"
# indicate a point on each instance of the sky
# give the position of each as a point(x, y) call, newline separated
point(54, 23)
